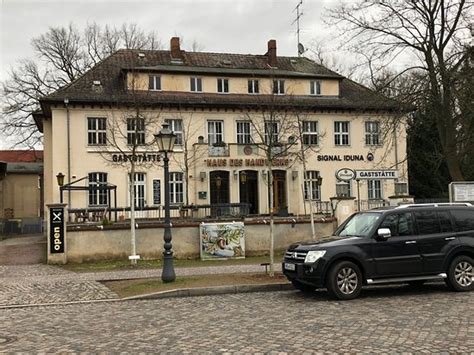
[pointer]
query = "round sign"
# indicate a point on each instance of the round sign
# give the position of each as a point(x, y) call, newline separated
point(248, 150)
point(345, 174)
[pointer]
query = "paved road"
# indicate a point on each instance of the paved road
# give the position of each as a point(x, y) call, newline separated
point(390, 319)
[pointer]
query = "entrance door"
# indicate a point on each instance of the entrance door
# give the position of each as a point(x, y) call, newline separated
point(219, 186)
point(248, 187)
point(279, 192)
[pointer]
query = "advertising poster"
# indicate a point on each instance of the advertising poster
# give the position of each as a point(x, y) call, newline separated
point(222, 241)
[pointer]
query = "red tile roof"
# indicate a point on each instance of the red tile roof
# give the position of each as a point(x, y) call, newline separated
point(21, 156)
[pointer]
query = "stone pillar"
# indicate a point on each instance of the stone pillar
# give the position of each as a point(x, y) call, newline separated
point(56, 233)
point(401, 200)
point(343, 207)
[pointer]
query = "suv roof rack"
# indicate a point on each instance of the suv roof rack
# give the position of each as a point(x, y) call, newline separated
point(440, 204)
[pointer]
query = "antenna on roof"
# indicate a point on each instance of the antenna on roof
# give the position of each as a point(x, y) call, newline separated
point(297, 20)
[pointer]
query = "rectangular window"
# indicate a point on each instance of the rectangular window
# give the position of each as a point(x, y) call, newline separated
point(215, 132)
point(156, 192)
point(445, 221)
point(374, 189)
point(243, 132)
point(343, 188)
point(279, 86)
point(400, 224)
point(135, 131)
point(315, 86)
point(253, 86)
point(341, 133)
point(312, 189)
point(96, 130)
point(176, 125)
point(310, 132)
point(372, 133)
point(154, 82)
point(463, 219)
point(271, 133)
point(176, 188)
point(196, 84)
point(427, 222)
point(401, 188)
point(140, 189)
point(222, 85)
point(97, 192)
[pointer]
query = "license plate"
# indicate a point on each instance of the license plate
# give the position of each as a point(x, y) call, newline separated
point(290, 267)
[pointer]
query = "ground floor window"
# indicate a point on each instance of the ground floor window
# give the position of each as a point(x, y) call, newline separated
point(140, 189)
point(176, 188)
point(97, 195)
point(343, 188)
point(374, 189)
point(312, 189)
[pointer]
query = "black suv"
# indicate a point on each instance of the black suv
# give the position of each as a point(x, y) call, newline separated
point(412, 244)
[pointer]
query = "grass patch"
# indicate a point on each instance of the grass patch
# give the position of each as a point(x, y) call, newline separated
point(114, 265)
point(127, 288)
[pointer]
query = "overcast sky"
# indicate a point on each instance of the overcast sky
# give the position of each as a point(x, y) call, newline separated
point(240, 26)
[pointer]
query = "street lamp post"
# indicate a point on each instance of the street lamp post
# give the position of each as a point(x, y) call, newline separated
point(165, 139)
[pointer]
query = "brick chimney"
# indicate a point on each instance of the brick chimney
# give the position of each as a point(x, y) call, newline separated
point(175, 49)
point(272, 53)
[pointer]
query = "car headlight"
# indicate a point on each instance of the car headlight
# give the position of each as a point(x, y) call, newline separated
point(314, 255)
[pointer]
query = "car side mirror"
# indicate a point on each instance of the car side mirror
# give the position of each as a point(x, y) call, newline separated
point(384, 233)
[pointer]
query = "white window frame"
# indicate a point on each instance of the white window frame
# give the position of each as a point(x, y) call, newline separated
point(348, 183)
point(341, 132)
point(246, 136)
point(176, 184)
point(372, 132)
point(197, 82)
point(315, 87)
point(140, 189)
point(176, 125)
point(131, 122)
point(274, 134)
point(374, 192)
point(154, 82)
point(212, 135)
point(253, 86)
point(310, 134)
point(279, 86)
point(312, 191)
point(98, 131)
point(97, 197)
point(221, 85)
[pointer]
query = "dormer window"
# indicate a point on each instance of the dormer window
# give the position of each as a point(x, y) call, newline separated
point(196, 84)
point(315, 86)
point(154, 82)
point(279, 86)
point(253, 86)
point(222, 85)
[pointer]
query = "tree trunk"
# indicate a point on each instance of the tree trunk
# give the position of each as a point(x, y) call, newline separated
point(270, 205)
point(132, 213)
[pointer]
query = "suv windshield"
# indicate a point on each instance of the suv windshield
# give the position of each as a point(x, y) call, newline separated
point(359, 225)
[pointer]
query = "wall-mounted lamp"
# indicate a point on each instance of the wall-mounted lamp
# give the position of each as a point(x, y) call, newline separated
point(236, 174)
point(243, 177)
point(264, 173)
point(294, 174)
point(202, 175)
point(60, 179)
point(200, 139)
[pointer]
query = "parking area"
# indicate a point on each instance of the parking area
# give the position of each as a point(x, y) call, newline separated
point(384, 319)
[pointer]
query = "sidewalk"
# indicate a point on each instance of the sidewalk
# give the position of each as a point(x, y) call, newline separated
point(45, 284)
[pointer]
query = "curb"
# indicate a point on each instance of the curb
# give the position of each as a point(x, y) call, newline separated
point(209, 291)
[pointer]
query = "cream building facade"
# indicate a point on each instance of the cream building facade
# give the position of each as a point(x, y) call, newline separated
point(226, 110)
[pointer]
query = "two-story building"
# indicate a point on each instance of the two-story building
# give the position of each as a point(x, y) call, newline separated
point(223, 108)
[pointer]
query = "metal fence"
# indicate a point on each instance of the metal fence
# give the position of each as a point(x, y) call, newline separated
point(370, 204)
point(27, 225)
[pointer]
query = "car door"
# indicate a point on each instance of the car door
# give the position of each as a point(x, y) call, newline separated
point(398, 255)
point(436, 238)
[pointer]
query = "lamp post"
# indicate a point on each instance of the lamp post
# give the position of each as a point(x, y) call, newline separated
point(60, 179)
point(165, 139)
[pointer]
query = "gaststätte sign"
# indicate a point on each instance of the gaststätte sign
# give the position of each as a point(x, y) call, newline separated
point(376, 174)
point(345, 174)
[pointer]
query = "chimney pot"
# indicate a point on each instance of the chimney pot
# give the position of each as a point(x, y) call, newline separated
point(272, 53)
point(175, 48)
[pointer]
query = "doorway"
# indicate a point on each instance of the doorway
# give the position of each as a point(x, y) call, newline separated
point(219, 186)
point(280, 206)
point(248, 189)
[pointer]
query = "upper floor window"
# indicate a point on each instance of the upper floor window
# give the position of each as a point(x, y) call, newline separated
point(271, 133)
point(310, 132)
point(222, 85)
point(253, 86)
point(341, 133)
point(135, 131)
point(243, 132)
point(96, 130)
point(374, 189)
point(215, 131)
point(315, 86)
point(176, 185)
point(279, 86)
point(312, 189)
point(372, 133)
point(154, 82)
point(196, 84)
point(176, 125)
point(97, 193)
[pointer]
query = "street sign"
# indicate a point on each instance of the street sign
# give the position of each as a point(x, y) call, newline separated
point(376, 174)
point(56, 230)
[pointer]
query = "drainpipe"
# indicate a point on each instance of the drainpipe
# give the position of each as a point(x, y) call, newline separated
point(68, 122)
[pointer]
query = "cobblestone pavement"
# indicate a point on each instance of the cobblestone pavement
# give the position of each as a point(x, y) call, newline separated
point(38, 284)
point(384, 319)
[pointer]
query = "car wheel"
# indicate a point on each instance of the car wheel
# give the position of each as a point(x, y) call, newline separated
point(461, 274)
point(303, 287)
point(344, 281)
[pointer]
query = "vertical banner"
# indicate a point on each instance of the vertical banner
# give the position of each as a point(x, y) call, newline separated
point(222, 240)
point(56, 230)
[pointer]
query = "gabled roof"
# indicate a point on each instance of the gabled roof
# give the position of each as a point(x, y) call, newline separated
point(21, 156)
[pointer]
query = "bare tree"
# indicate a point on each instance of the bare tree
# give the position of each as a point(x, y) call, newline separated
point(434, 35)
point(61, 55)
